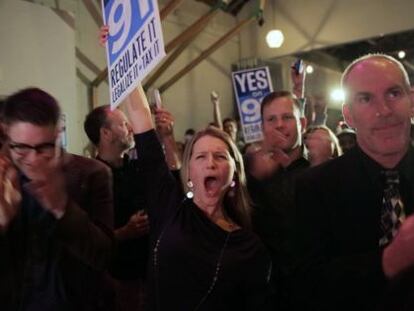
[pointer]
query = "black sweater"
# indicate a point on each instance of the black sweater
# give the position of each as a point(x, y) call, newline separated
point(187, 248)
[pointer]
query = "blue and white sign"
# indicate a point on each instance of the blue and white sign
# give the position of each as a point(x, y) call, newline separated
point(135, 44)
point(250, 86)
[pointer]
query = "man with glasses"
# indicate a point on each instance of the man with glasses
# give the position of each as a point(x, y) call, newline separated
point(23, 150)
point(55, 215)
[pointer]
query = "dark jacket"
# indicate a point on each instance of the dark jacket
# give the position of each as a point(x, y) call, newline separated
point(73, 251)
point(273, 220)
point(338, 231)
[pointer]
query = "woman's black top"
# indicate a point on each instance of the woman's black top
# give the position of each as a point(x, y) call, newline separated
point(194, 264)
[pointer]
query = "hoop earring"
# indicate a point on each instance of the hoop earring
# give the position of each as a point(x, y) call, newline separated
point(190, 193)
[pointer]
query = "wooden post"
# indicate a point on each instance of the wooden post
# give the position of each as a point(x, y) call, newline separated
point(100, 77)
point(168, 8)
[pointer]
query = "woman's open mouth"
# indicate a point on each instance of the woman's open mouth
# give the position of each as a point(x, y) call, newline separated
point(212, 185)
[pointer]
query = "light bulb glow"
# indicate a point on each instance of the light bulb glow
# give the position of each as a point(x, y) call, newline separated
point(309, 69)
point(275, 38)
point(337, 95)
point(401, 54)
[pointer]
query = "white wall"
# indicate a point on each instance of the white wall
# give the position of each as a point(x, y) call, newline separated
point(87, 32)
point(37, 49)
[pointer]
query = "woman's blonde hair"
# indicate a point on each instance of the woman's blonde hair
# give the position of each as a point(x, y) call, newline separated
point(236, 200)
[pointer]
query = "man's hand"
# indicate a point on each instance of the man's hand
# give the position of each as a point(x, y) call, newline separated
point(47, 184)
point(319, 145)
point(136, 227)
point(214, 98)
point(274, 140)
point(272, 145)
point(399, 255)
point(263, 164)
point(10, 196)
point(164, 122)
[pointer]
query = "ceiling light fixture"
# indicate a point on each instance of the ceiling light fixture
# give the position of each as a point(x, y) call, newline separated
point(337, 95)
point(274, 37)
point(401, 54)
point(309, 69)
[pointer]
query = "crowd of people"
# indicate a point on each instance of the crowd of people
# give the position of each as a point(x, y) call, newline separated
point(303, 220)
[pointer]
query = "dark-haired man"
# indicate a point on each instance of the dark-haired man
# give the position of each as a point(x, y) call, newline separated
point(282, 124)
point(110, 131)
point(230, 127)
point(350, 209)
point(56, 241)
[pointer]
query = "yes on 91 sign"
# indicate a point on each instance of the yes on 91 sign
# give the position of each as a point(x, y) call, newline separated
point(250, 87)
point(135, 43)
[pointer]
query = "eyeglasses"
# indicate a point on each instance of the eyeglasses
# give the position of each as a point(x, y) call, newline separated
point(23, 149)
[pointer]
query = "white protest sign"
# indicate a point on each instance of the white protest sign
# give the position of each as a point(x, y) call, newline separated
point(135, 44)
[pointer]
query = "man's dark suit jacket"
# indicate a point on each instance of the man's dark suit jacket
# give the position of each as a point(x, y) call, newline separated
point(338, 231)
point(81, 242)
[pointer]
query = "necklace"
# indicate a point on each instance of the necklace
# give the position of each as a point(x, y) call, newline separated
point(216, 272)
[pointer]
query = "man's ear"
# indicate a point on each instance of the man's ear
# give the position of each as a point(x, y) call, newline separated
point(411, 95)
point(104, 133)
point(347, 115)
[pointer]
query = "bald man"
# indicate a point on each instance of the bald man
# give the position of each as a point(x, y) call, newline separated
point(350, 209)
